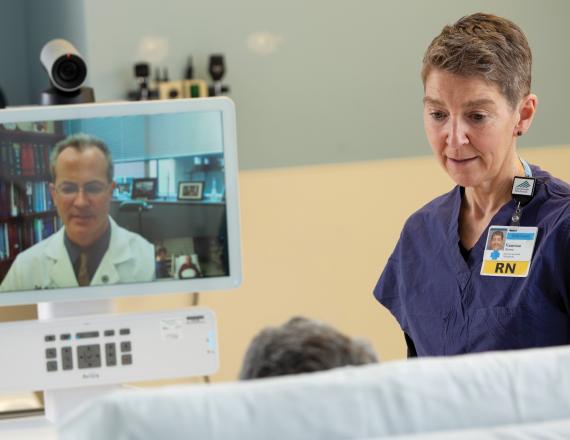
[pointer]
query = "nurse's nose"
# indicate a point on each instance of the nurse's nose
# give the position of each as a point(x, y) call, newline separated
point(457, 134)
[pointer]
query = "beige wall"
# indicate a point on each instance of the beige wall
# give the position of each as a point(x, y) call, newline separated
point(315, 240)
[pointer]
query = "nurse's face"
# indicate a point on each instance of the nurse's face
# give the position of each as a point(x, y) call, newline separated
point(82, 194)
point(471, 128)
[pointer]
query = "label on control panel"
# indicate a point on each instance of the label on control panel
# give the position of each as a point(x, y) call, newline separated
point(172, 328)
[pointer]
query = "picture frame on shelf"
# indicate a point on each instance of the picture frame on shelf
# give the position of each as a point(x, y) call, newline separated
point(190, 190)
point(123, 189)
point(144, 188)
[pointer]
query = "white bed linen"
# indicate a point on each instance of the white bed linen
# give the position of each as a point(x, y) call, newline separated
point(392, 398)
point(549, 430)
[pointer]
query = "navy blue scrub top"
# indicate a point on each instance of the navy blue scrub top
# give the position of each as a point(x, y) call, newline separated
point(443, 304)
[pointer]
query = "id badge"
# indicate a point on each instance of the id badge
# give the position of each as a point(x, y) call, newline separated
point(508, 251)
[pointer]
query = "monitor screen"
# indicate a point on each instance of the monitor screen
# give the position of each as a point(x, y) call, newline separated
point(105, 200)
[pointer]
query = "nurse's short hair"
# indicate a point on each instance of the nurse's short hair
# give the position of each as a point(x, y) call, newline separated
point(81, 142)
point(486, 46)
point(302, 345)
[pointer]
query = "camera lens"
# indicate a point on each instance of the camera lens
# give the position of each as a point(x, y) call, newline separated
point(69, 72)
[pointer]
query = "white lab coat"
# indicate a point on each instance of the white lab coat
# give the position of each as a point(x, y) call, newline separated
point(46, 265)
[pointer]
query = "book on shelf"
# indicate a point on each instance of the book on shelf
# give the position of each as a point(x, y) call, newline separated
point(15, 238)
point(27, 160)
point(24, 159)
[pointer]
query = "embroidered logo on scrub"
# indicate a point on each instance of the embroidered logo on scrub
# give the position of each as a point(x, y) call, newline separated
point(508, 252)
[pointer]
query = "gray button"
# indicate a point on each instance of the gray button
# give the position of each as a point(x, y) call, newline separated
point(89, 356)
point(51, 366)
point(125, 346)
point(66, 358)
point(111, 354)
point(126, 359)
point(51, 353)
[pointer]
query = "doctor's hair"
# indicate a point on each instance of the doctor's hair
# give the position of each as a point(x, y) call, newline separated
point(81, 142)
point(486, 46)
point(302, 345)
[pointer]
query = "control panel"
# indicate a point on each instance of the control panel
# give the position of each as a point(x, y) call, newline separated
point(107, 349)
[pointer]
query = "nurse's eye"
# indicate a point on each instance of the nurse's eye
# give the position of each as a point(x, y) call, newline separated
point(438, 116)
point(478, 117)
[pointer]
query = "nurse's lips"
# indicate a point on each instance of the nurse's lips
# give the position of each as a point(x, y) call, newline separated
point(462, 162)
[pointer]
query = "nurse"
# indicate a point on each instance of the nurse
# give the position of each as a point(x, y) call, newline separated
point(90, 249)
point(449, 293)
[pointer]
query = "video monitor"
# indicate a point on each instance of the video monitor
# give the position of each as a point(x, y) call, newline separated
point(106, 200)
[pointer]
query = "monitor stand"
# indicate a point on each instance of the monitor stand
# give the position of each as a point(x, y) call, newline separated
point(59, 402)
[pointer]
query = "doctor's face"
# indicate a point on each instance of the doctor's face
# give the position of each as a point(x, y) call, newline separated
point(470, 126)
point(82, 194)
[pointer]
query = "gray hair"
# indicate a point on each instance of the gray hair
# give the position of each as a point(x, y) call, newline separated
point(81, 142)
point(302, 345)
point(486, 46)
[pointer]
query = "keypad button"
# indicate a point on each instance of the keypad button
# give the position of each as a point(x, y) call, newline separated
point(86, 335)
point(126, 359)
point(66, 358)
point(51, 353)
point(51, 366)
point(124, 331)
point(110, 354)
point(89, 356)
point(125, 346)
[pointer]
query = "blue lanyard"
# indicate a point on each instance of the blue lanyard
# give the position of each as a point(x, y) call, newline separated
point(522, 199)
point(526, 166)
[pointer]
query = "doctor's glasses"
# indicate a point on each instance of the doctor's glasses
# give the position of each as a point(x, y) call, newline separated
point(91, 190)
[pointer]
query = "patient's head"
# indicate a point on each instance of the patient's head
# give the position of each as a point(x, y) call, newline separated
point(302, 345)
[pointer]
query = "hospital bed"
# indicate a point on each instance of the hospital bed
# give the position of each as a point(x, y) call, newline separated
point(498, 395)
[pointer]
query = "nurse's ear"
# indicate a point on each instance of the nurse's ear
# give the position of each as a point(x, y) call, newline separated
point(525, 110)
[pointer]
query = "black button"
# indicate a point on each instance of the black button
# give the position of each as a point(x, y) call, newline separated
point(125, 346)
point(109, 333)
point(126, 359)
point(49, 338)
point(65, 337)
point(125, 331)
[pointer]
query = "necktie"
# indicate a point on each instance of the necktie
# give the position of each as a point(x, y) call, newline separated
point(83, 273)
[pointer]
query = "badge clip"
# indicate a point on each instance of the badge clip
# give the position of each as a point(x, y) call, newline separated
point(522, 192)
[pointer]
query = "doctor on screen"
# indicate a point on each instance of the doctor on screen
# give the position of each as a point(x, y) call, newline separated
point(90, 249)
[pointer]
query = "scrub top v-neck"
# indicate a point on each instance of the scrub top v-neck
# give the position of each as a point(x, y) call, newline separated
point(445, 306)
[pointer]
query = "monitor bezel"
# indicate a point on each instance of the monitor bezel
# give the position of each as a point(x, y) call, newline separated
point(145, 108)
